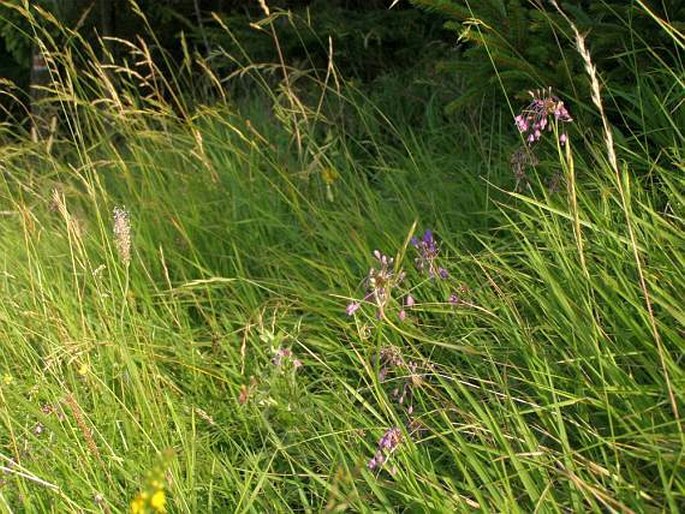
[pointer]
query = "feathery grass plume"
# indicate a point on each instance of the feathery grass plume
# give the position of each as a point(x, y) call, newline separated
point(122, 234)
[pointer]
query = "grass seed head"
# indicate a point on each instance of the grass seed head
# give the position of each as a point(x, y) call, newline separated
point(122, 233)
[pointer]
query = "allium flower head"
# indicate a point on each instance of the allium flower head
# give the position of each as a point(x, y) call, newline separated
point(352, 308)
point(283, 357)
point(379, 284)
point(390, 358)
point(428, 251)
point(537, 116)
point(387, 444)
point(381, 281)
point(390, 439)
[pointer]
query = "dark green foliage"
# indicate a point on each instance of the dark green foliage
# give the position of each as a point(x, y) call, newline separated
point(509, 35)
point(508, 47)
point(15, 29)
point(367, 41)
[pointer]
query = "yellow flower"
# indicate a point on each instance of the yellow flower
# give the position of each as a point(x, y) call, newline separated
point(7, 379)
point(329, 175)
point(138, 505)
point(158, 501)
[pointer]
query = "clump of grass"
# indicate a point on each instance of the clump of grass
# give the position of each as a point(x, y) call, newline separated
point(536, 366)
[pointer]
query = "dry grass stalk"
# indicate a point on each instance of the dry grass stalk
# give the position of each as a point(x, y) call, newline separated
point(85, 430)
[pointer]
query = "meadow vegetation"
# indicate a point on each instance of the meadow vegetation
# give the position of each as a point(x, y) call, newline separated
point(276, 290)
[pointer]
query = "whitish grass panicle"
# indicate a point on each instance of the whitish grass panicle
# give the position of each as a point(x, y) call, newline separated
point(122, 233)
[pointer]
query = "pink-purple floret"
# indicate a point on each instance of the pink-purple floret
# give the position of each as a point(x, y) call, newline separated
point(386, 445)
point(536, 117)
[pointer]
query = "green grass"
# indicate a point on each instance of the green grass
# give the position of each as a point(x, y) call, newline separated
point(543, 390)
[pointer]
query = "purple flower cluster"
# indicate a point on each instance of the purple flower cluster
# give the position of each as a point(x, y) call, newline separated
point(540, 114)
point(352, 307)
point(406, 390)
point(428, 251)
point(390, 358)
point(406, 377)
point(458, 297)
point(522, 159)
point(379, 285)
point(284, 356)
point(386, 276)
point(403, 379)
point(386, 446)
